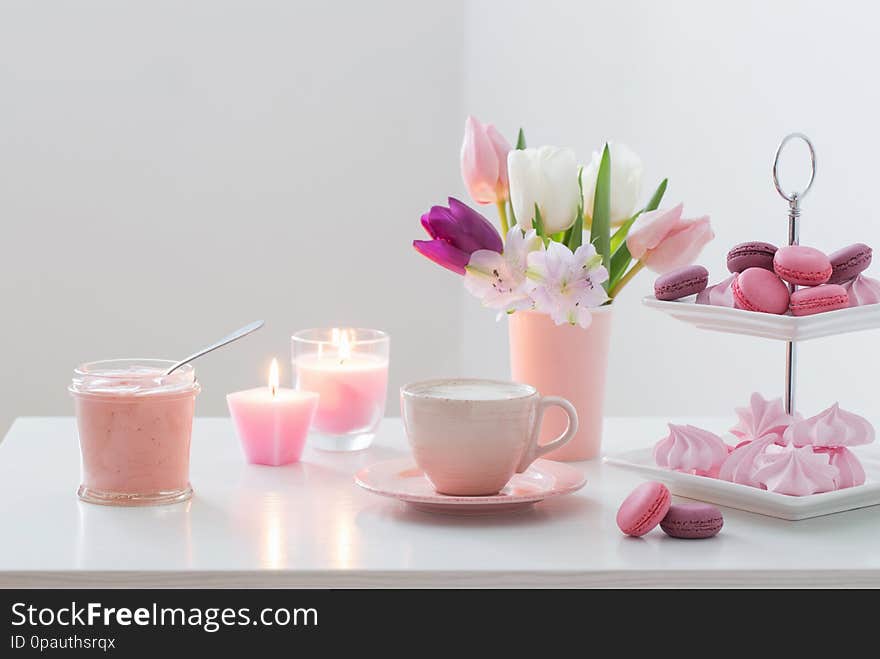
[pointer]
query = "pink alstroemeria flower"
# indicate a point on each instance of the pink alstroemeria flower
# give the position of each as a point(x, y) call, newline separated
point(484, 162)
point(457, 232)
point(663, 240)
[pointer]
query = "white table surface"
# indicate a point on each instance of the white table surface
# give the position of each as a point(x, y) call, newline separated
point(308, 525)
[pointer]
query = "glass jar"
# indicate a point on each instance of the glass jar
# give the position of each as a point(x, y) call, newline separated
point(135, 426)
point(348, 368)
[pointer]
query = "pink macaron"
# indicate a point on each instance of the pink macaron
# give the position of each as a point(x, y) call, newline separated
point(692, 521)
point(802, 266)
point(757, 289)
point(827, 297)
point(644, 508)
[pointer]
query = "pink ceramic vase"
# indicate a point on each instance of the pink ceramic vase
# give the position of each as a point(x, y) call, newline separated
point(566, 361)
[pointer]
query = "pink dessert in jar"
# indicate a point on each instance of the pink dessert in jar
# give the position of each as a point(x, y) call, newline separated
point(134, 424)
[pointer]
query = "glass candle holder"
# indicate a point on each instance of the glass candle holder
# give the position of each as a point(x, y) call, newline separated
point(272, 423)
point(348, 369)
point(135, 426)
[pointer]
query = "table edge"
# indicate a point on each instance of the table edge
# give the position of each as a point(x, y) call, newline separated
point(358, 579)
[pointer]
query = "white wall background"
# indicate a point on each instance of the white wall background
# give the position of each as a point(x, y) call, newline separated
point(703, 91)
point(171, 170)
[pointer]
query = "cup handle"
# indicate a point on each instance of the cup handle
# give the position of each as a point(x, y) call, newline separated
point(534, 450)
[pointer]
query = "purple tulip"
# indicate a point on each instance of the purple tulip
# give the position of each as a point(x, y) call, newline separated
point(456, 232)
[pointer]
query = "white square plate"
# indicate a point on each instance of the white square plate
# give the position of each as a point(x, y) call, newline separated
point(767, 325)
point(753, 499)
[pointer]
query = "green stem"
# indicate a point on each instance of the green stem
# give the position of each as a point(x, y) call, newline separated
point(633, 271)
point(502, 213)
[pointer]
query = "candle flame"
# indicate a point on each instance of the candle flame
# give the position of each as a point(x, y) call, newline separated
point(344, 344)
point(273, 378)
point(339, 344)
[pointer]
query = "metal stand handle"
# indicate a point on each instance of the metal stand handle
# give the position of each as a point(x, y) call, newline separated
point(794, 212)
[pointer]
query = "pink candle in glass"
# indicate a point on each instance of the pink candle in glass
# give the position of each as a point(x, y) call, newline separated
point(348, 368)
point(272, 423)
point(352, 391)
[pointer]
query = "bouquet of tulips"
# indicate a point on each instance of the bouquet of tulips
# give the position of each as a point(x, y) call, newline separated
point(571, 236)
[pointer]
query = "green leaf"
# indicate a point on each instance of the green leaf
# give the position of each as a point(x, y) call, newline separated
point(619, 237)
point(619, 264)
point(539, 223)
point(600, 231)
point(575, 236)
point(657, 197)
point(566, 235)
point(512, 214)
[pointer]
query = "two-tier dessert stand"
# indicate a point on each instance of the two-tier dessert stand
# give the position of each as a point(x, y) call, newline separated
point(791, 330)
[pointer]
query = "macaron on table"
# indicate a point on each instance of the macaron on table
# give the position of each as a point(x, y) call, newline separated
point(644, 509)
point(692, 521)
point(650, 505)
point(776, 461)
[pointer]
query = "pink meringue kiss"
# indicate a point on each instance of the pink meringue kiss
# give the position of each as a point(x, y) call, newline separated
point(862, 290)
point(691, 449)
point(796, 471)
point(719, 295)
point(832, 427)
point(849, 467)
point(762, 417)
point(740, 466)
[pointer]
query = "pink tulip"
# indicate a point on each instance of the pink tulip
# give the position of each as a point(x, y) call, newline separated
point(663, 240)
point(484, 162)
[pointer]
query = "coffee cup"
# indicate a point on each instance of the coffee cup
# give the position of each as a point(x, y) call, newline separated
point(469, 436)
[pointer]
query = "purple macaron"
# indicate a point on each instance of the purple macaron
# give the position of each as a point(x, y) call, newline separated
point(692, 521)
point(751, 255)
point(679, 283)
point(846, 263)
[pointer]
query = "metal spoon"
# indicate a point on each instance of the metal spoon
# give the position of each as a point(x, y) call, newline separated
point(237, 334)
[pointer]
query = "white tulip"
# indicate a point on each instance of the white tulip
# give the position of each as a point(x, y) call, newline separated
point(626, 182)
point(546, 176)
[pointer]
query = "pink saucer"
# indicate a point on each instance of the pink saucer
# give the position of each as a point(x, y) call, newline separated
point(401, 479)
